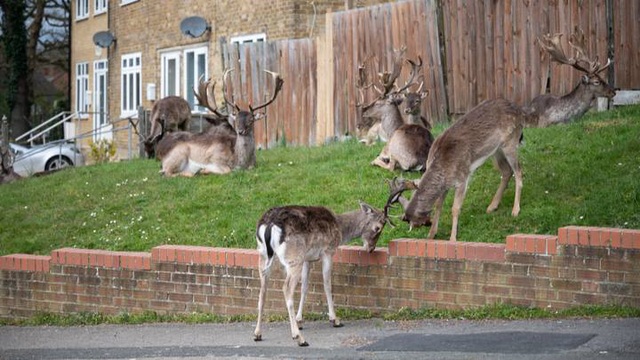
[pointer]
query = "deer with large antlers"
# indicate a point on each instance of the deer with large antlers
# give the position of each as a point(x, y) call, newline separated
point(493, 128)
point(298, 235)
point(220, 149)
point(409, 143)
point(549, 109)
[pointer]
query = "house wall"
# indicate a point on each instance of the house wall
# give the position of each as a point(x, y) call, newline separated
point(84, 50)
point(578, 266)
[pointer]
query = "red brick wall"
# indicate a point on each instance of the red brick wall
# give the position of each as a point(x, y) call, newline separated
point(578, 266)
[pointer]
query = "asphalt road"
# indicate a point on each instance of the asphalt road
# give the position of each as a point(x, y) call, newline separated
point(370, 339)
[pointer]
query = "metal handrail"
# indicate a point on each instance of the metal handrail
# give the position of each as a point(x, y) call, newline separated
point(40, 126)
point(32, 138)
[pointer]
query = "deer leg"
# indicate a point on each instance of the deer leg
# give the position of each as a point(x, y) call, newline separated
point(512, 159)
point(437, 209)
point(506, 172)
point(327, 263)
point(289, 287)
point(264, 277)
point(303, 292)
point(458, 199)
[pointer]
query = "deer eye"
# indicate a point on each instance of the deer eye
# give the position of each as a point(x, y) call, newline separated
point(596, 82)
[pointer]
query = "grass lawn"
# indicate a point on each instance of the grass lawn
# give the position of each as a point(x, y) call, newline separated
point(586, 173)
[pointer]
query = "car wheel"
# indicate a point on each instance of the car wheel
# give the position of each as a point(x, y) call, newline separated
point(57, 162)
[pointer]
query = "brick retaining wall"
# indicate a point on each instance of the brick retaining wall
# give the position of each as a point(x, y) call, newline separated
point(581, 265)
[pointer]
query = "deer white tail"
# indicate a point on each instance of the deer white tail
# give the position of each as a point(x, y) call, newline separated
point(269, 238)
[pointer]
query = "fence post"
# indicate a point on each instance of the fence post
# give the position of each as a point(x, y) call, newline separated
point(142, 129)
point(4, 129)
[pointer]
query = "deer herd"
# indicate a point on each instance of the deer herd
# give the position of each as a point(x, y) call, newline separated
point(298, 235)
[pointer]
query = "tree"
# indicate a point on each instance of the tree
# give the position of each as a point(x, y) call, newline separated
point(34, 32)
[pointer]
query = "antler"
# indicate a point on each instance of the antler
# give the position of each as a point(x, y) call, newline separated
point(396, 188)
point(361, 86)
point(206, 95)
point(388, 79)
point(551, 44)
point(415, 68)
point(278, 86)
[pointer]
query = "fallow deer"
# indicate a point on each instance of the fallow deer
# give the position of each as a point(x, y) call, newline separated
point(298, 235)
point(549, 109)
point(493, 128)
point(7, 174)
point(220, 149)
point(409, 144)
point(169, 114)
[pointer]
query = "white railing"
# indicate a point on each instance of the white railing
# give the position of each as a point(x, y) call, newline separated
point(32, 138)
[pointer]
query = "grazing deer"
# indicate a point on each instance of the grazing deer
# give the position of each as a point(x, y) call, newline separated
point(298, 235)
point(549, 109)
point(220, 149)
point(493, 128)
point(169, 114)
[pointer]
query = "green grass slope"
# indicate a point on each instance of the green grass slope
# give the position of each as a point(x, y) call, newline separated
point(586, 173)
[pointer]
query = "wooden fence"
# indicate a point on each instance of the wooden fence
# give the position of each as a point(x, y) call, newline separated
point(471, 51)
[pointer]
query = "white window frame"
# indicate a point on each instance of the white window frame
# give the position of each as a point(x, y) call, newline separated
point(100, 101)
point(243, 39)
point(82, 9)
point(165, 72)
point(82, 90)
point(130, 84)
point(100, 6)
point(193, 69)
point(127, 2)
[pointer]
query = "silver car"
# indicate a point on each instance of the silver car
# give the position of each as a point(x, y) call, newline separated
point(47, 157)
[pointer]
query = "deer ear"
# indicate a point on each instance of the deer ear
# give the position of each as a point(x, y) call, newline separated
point(585, 79)
point(366, 208)
point(259, 116)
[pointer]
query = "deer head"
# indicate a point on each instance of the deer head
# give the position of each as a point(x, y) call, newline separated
point(243, 117)
point(551, 44)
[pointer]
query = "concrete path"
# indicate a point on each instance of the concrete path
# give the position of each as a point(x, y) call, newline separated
point(369, 339)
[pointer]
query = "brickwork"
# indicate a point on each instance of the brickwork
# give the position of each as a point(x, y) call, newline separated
point(581, 265)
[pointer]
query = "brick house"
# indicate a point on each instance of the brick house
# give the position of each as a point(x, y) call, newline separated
point(151, 58)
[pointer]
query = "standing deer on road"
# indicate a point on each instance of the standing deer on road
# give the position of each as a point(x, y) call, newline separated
point(549, 109)
point(298, 235)
point(493, 128)
point(169, 114)
point(220, 149)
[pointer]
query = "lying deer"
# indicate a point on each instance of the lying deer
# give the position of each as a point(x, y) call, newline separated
point(298, 235)
point(409, 144)
point(493, 128)
point(220, 149)
point(168, 114)
point(549, 109)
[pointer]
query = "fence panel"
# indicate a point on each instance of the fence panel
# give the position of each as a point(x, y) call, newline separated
point(291, 118)
point(377, 31)
point(626, 25)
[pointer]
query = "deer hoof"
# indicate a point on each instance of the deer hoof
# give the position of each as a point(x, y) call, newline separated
point(336, 323)
point(303, 344)
point(257, 337)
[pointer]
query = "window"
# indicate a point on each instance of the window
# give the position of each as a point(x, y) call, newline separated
point(100, 6)
point(82, 87)
point(170, 74)
point(130, 96)
point(195, 66)
point(82, 9)
point(248, 38)
point(100, 108)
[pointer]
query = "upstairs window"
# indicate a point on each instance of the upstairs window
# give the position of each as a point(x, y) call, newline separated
point(100, 6)
point(248, 38)
point(82, 9)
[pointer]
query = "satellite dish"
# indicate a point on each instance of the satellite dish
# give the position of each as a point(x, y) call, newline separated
point(194, 26)
point(103, 39)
